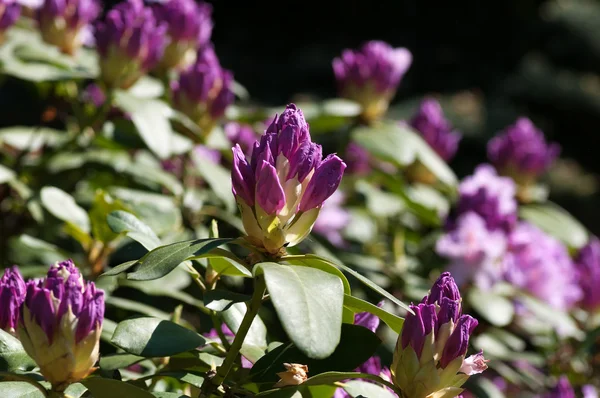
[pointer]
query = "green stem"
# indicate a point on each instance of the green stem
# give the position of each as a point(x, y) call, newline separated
point(210, 384)
point(16, 377)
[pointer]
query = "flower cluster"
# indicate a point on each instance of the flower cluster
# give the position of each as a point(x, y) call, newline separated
point(204, 91)
point(66, 23)
point(371, 75)
point(10, 10)
point(189, 27)
point(282, 189)
point(435, 129)
point(521, 152)
point(60, 324)
point(430, 356)
point(130, 41)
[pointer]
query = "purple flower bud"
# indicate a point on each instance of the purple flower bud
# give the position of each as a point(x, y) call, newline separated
point(418, 326)
point(65, 23)
point(12, 295)
point(286, 180)
point(242, 135)
point(541, 265)
point(10, 10)
point(588, 269)
point(521, 151)
point(458, 342)
point(490, 196)
point(443, 287)
point(189, 27)
point(450, 310)
point(563, 389)
point(371, 75)
point(204, 91)
point(435, 129)
point(130, 42)
point(368, 320)
point(60, 324)
point(323, 183)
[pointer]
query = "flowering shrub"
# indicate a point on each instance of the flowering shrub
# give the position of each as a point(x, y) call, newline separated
point(166, 237)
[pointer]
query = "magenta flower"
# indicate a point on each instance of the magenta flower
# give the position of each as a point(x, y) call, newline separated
point(10, 10)
point(371, 75)
point(12, 295)
point(242, 135)
point(60, 324)
point(282, 189)
point(563, 389)
point(587, 264)
point(521, 151)
point(435, 129)
point(130, 42)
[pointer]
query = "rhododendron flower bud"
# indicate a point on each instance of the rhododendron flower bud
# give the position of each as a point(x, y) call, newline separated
point(521, 152)
point(10, 10)
point(430, 122)
point(204, 91)
point(281, 189)
point(587, 264)
point(371, 75)
point(65, 23)
point(130, 42)
point(429, 360)
point(60, 324)
point(12, 295)
point(241, 134)
point(189, 27)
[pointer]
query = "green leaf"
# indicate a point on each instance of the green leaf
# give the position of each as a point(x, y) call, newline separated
point(257, 335)
point(403, 146)
point(366, 281)
point(151, 119)
point(360, 388)
point(12, 354)
point(221, 300)
point(318, 263)
point(341, 107)
point(309, 303)
point(557, 222)
point(152, 337)
point(109, 388)
point(498, 310)
point(147, 87)
point(122, 221)
point(217, 177)
point(357, 344)
point(229, 266)
point(118, 361)
point(357, 305)
point(102, 206)
point(6, 174)
point(380, 203)
point(62, 206)
point(29, 139)
point(162, 260)
point(19, 389)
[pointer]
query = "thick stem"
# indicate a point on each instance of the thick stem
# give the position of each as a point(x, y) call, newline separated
point(210, 384)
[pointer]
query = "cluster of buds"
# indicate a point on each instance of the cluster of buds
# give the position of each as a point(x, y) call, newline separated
point(435, 129)
point(282, 189)
point(12, 295)
point(189, 27)
point(130, 42)
point(10, 10)
point(204, 91)
point(429, 360)
point(371, 75)
point(521, 152)
point(60, 324)
point(587, 264)
point(65, 23)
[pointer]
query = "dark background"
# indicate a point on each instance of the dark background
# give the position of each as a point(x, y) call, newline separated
point(488, 61)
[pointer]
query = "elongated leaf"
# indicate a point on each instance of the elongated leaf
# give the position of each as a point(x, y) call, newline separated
point(358, 305)
point(309, 303)
point(357, 344)
point(152, 337)
point(62, 206)
point(122, 221)
point(31, 138)
point(228, 266)
point(118, 361)
point(221, 300)
point(366, 281)
point(318, 263)
point(110, 388)
point(12, 354)
point(557, 222)
point(257, 335)
point(19, 389)
point(360, 388)
point(162, 260)
point(402, 145)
